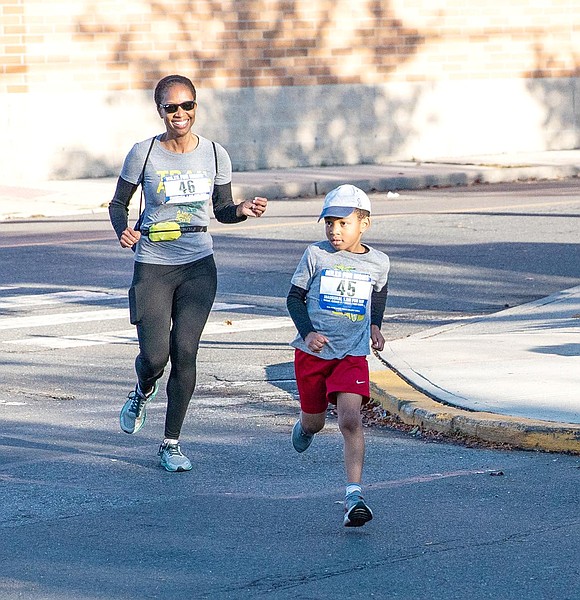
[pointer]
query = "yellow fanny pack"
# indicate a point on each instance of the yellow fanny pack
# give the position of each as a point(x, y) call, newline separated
point(166, 231)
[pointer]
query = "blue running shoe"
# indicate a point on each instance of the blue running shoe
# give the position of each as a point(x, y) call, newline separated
point(300, 439)
point(356, 512)
point(134, 411)
point(172, 459)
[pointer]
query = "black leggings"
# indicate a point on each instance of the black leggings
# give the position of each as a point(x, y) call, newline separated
point(170, 306)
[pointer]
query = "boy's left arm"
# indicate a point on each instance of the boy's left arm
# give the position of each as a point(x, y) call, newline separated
point(377, 339)
point(378, 304)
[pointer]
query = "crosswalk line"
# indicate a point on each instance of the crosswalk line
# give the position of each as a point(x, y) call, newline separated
point(63, 318)
point(50, 320)
point(67, 297)
point(128, 336)
point(124, 336)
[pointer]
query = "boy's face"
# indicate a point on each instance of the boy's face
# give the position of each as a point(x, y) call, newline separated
point(345, 233)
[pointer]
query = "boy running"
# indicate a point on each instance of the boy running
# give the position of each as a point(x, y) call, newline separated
point(337, 301)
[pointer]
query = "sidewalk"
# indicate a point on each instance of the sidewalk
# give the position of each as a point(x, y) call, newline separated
point(57, 198)
point(511, 377)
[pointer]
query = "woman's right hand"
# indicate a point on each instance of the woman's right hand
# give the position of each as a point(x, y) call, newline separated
point(129, 237)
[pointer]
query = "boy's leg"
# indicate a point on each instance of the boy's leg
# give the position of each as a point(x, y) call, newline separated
point(350, 424)
point(312, 423)
point(304, 429)
point(356, 511)
point(311, 374)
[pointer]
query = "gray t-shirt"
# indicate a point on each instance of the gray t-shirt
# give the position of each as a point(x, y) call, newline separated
point(177, 187)
point(339, 286)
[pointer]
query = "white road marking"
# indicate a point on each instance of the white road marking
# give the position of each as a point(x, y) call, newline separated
point(124, 336)
point(59, 298)
point(62, 318)
point(83, 317)
point(128, 336)
point(236, 326)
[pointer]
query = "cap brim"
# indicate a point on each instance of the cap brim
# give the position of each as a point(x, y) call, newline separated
point(336, 211)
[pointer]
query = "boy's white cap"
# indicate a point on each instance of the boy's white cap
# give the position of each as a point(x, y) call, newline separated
point(341, 201)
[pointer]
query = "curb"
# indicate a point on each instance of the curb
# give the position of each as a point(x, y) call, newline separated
point(465, 175)
point(317, 183)
point(46, 199)
point(414, 408)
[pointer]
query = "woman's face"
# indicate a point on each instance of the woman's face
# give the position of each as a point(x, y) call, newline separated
point(178, 120)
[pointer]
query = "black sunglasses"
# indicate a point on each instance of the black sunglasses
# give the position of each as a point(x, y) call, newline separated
point(171, 108)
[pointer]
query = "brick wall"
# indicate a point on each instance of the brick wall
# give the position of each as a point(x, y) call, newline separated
point(112, 45)
point(287, 83)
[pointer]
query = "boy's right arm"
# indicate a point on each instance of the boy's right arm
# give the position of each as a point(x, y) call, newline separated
point(296, 304)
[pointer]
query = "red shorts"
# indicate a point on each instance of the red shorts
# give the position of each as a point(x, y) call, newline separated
point(319, 380)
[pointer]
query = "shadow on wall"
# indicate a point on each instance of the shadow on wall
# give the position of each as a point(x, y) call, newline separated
point(309, 126)
point(344, 121)
point(560, 98)
point(79, 163)
point(283, 128)
point(350, 117)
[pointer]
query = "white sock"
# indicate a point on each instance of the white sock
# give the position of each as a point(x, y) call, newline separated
point(351, 488)
point(170, 441)
point(140, 391)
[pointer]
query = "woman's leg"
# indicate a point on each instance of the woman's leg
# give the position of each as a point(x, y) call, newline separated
point(150, 301)
point(192, 303)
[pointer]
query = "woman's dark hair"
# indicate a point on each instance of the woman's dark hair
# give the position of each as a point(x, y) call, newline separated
point(164, 84)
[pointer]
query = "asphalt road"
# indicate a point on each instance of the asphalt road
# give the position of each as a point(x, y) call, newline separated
point(87, 513)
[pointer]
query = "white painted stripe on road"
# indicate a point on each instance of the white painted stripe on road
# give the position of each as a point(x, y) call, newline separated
point(26, 300)
point(236, 326)
point(226, 306)
point(128, 336)
point(63, 318)
point(68, 297)
point(84, 317)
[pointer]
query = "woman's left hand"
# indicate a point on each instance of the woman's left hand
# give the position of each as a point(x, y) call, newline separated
point(252, 208)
